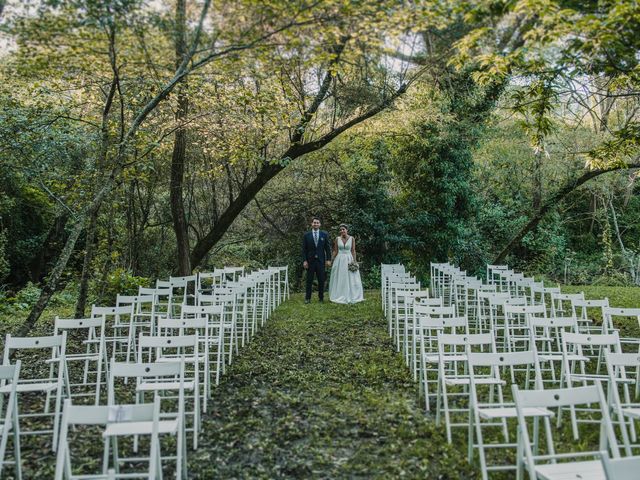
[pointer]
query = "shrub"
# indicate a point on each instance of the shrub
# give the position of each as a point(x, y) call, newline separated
point(121, 281)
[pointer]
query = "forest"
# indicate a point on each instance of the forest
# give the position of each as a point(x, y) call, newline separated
point(141, 139)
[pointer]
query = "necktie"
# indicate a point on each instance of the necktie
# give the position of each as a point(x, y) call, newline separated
point(315, 237)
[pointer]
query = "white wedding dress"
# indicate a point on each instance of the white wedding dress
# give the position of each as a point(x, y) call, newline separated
point(344, 286)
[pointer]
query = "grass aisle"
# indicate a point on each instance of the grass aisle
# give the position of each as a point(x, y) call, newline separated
point(321, 393)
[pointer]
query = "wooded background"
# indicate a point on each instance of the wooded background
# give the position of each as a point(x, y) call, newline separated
point(140, 139)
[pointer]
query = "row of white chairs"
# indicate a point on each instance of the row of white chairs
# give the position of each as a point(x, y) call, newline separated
point(142, 369)
point(470, 341)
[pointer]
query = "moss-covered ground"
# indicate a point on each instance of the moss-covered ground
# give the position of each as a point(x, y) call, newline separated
point(321, 393)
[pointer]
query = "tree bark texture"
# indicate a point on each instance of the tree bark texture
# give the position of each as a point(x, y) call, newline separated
point(178, 157)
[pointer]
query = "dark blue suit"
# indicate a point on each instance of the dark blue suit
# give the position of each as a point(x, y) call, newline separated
point(316, 256)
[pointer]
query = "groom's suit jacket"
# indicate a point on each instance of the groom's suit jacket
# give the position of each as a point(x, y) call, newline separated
point(321, 252)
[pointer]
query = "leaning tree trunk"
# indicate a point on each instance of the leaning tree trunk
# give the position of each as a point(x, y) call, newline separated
point(89, 252)
point(109, 183)
point(52, 282)
point(178, 215)
point(552, 202)
point(90, 237)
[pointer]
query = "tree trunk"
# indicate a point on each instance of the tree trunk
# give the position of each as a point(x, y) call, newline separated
point(179, 218)
point(225, 220)
point(270, 170)
point(551, 203)
point(52, 282)
point(109, 183)
point(537, 179)
point(89, 252)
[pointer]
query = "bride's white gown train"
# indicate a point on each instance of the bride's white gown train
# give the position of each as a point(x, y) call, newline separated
point(344, 286)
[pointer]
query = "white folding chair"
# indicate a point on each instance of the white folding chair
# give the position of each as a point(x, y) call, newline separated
point(546, 339)
point(400, 304)
point(173, 349)
point(623, 371)
point(491, 405)
point(622, 315)
point(541, 295)
point(419, 297)
point(88, 333)
point(224, 324)
point(575, 363)
point(453, 376)
point(587, 311)
point(48, 376)
point(161, 303)
point(564, 304)
point(553, 465)
point(162, 380)
point(428, 323)
point(116, 421)
point(212, 337)
point(119, 320)
point(517, 320)
point(10, 428)
point(497, 316)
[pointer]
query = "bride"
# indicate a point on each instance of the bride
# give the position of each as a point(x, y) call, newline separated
point(345, 285)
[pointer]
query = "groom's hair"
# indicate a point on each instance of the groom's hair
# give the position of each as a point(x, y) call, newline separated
point(316, 218)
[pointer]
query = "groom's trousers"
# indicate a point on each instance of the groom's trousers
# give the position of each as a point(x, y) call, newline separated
point(316, 268)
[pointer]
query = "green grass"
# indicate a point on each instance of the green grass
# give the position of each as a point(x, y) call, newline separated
point(623, 297)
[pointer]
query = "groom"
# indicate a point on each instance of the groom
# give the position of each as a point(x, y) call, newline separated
point(316, 252)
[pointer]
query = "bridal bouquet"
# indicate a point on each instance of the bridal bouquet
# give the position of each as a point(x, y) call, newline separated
point(353, 267)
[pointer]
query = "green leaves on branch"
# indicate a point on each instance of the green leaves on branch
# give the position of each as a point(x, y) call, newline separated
point(622, 148)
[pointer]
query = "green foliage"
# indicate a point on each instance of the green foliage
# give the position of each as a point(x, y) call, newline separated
point(4, 261)
point(25, 298)
point(434, 165)
point(368, 208)
point(122, 282)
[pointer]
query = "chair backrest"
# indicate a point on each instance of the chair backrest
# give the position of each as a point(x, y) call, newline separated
point(528, 310)
point(171, 371)
point(554, 399)
point(611, 313)
point(60, 324)
point(467, 341)
point(502, 368)
point(153, 348)
point(55, 343)
point(103, 415)
point(431, 311)
point(611, 340)
point(436, 323)
point(429, 302)
point(122, 300)
point(113, 315)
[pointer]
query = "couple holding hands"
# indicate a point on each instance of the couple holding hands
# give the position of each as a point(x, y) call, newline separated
point(345, 285)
